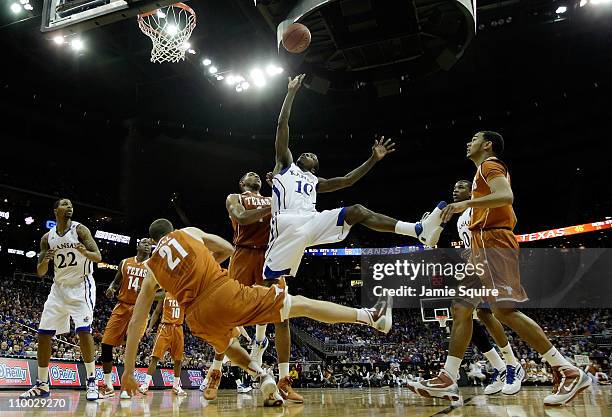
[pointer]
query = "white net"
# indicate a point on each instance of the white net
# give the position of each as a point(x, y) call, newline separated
point(169, 28)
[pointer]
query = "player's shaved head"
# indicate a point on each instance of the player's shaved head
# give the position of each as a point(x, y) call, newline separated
point(160, 228)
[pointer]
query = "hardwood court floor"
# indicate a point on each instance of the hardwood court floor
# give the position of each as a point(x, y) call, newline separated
point(375, 402)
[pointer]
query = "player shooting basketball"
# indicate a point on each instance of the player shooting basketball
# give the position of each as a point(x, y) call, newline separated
point(296, 225)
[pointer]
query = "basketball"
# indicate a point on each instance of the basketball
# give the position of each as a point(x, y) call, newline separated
point(296, 38)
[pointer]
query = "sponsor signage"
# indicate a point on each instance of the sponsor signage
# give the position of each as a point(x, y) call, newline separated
point(50, 224)
point(195, 377)
point(114, 375)
point(14, 372)
point(167, 377)
point(113, 237)
point(140, 374)
point(5, 214)
point(64, 374)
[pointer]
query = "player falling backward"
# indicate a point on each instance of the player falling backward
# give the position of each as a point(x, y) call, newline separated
point(249, 212)
point(72, 249)
point(296, 224)
point(128, 280)
point(507, 376)
point(186, 264)
point(493, 244)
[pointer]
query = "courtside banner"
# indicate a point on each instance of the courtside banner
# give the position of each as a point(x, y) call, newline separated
point(167, 377)
point(114, 375)
point(64, 374)
point(194, 377)
point(140, 375)
point(14, 372)
point(530, 277)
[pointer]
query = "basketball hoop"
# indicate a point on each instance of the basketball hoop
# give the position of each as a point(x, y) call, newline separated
point(442, 320)
point(169, 29)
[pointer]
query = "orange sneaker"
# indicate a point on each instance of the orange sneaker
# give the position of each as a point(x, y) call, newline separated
point(210, 392)
point(568, 381)
point(105, 391)
point(287, 392)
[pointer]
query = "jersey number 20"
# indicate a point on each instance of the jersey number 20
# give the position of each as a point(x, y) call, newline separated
point(166, 252)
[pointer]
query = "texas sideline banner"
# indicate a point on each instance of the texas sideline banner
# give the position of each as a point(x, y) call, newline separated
point(17, 373)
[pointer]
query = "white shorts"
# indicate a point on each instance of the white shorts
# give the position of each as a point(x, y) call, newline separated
point(65, 301)
point(292, 232)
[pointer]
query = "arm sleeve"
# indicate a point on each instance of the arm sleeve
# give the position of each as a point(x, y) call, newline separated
point(493, 169)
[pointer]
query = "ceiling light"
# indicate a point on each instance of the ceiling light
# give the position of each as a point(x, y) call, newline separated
point(245, 85)
point(561, 10)
point(28, 7)
point(191, 51)
point(206, 62)
point(239, 88)
point(220, 77)
point(58, 40)
point(16, 8)
point(583, 3)
point(171, 29)
point(161, 14)
point(77, 44)
point(212, 70)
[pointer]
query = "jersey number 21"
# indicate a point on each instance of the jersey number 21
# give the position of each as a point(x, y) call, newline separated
point(166, 252)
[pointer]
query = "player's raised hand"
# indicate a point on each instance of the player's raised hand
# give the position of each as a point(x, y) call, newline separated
point(129, 384)
point(382, 147)
point(295, 83)
point(269, 177)
point(451, 209)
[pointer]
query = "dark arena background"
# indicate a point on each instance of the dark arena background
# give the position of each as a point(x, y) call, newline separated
point(86, 116)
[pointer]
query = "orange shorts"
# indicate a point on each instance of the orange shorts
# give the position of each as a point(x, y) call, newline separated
point(246, 266)
point(212, 317)
point(170, 338)
point(498, 252)
point(116, 328)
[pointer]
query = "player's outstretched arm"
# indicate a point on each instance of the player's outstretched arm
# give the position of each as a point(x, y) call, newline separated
point(88, 248)
point(221, 249)
point(380, 149)
point(283, 154)
point(240, 214)
point(136, 329)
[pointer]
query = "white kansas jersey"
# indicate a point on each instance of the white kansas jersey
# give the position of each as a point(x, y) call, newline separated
point(294, 190)
point(463, 226)
point(70, 267)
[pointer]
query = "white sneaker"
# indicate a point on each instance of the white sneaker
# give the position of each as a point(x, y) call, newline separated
point(243, 389)
point(178, 390)
point(124, 395)
point(568, 382)
point(143, 388)
point(40, 389)
point(269, 390)
point(442, 386)
point(432, 226)
point(497, 382)
point(257, 350)
point(381, 314)
point(92, 389)
point(514, 378)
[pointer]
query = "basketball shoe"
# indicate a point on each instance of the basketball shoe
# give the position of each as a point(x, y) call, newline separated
point(124, 395)
point(210, 392)
point(568, 381)
point(287, 392)
point(431, 226)
point(514, 379)
point(498, 381)
point(105, 391)
point(380, 316)
point(258, 349)
point(92, 389)
point(268, 388)
point(178, 391)
point(442, 386)
point(40, 389)
point(243, 389)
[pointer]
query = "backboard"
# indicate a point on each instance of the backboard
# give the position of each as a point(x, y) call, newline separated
point(61, 17)
point(433, 308)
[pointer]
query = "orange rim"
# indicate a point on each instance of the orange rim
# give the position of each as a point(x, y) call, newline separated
point(179, 5)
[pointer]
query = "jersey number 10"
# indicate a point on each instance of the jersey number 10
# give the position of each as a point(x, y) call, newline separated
point(166, 252)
